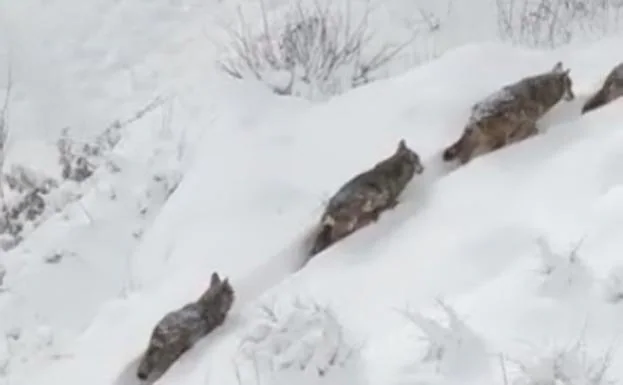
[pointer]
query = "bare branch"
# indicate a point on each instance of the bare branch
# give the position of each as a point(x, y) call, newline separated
point(551, 23)
point(317, 51)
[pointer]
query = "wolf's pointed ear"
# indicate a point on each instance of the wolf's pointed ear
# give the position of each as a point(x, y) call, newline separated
point(402, 145)
point(557, 67)
point(566, 72)
point(214, 280)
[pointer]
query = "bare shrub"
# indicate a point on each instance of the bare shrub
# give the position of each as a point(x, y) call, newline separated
point(300, 341)
point(315, 51)
point(449, 347)
point(79, 160)
point(29, 197)
point(564, 365)
point(551, 23)
point(563, 273)
point(25, 202)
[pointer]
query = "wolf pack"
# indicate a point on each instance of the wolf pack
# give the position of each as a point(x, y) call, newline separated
point(507, 116)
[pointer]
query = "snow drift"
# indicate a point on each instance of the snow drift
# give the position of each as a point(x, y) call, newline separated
point(470, 236)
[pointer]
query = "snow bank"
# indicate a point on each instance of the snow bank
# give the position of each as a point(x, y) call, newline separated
point(469, 237)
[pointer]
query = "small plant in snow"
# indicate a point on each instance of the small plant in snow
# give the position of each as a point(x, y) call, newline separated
point(22, 180)
point(572, 365)
point(562, 274)
point(79, 160)
point(29, 198)
point(300, 339)
point(316, 52)
point(25, 195)
point(453, 348)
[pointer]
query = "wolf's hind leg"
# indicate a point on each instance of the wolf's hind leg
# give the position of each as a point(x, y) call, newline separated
point(392, 203)
point(496, 142)
point(524, 131)
point(454, 150)
point(466, 153)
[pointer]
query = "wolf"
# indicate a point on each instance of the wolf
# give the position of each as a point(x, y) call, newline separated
point(611, 89)
point(179, 330)
point(510, 114)
point(364, 197)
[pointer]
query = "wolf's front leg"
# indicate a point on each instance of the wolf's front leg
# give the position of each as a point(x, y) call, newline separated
point(392, 203)
point(496, 142)
point(374, 215)
point(527, 130)
point(465, 155)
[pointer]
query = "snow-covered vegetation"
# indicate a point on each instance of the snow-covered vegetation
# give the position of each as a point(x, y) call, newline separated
point(145, 145)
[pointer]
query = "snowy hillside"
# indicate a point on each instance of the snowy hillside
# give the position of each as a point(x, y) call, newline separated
point(493, 240)
point(195, 172)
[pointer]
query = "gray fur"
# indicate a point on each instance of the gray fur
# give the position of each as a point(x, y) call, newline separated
point(611, 89)
point(510, 115)
point(363, 198)
point(179, 330)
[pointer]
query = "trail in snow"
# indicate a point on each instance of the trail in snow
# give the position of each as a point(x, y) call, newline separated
point(294, 256)
point(273, 271)
point(415, 195)
point(465, 229)
point(187, 361)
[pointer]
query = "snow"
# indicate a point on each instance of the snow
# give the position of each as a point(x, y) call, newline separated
point(514, 258)
point(486, 107)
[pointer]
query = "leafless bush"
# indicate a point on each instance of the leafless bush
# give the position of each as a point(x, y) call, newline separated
point(315, 51)
point(298, 340)
point(551, 23)
point(449, 347)
point(29, 198)
point(79, 160)
point(563, 273)
point(25, 199)
point(566, 365)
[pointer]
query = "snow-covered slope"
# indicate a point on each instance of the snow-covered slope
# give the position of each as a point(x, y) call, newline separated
point(475, 237)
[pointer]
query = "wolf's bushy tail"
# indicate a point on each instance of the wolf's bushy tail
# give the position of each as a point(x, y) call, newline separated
point(597, 100)
point(321, 241)
point(452, 152)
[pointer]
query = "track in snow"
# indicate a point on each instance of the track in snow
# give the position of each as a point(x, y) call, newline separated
point(277, 268)
point(295, 256)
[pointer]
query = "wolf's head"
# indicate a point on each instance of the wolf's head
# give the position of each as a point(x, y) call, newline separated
point(563, 81)
point(153, 356)
point(409, 156)
point(219, 298)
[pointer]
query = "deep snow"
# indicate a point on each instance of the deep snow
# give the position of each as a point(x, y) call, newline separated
point(257, 170)
point(470, 237)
